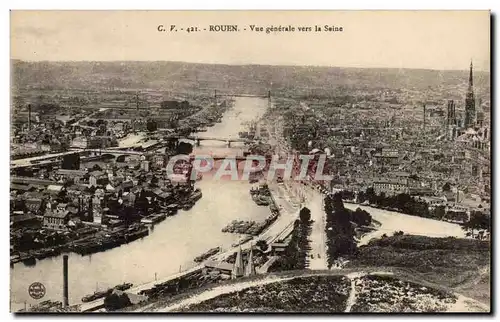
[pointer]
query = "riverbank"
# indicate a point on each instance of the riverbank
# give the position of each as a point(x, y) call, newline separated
point(260, 293)
point(176, 241)
point(391, 221)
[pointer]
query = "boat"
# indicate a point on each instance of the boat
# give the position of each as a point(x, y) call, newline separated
point(124, 286)
point(207, 254)
point(29, 260)
point(242, 241)
point(100, 294)
point(262, 201)
point(136, 234)
point(153, 219)
point(195, 196)
point(172, 209)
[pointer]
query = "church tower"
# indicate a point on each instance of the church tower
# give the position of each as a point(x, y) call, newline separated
point(470, 103)
point(250, 268)
point(238, 267)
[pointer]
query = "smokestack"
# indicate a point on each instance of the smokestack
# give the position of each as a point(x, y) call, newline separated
point(65, 281)
point(29, 116)
point(137, 101)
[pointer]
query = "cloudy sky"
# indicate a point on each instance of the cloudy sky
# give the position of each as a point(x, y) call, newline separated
point(409, 39)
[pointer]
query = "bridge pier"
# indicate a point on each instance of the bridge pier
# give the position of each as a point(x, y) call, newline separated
point(228, 144)
point(197, 142)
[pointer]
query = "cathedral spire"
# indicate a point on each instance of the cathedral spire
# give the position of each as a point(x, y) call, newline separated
point(238, 267)
point(470, 103)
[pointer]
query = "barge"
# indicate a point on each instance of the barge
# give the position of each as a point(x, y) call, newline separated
point(153, 219)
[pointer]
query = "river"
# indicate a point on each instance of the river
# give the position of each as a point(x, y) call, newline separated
point(171, 244)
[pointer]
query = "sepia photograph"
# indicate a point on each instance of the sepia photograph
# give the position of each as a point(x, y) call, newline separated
point(250, 161)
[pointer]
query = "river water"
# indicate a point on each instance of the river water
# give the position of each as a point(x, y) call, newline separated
point(171, 244)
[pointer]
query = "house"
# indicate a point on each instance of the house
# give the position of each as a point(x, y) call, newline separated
point(24, 220)
point(129, 198)
point(34, 204)
point(55, 189)
point(456, 216)
point(21, 187)
point(390, 186)
point(222, 267)
point(74, 175)
point(126, 185)
point(56, 219)
point(98, 178)
point(434, 202)
point(158, 161)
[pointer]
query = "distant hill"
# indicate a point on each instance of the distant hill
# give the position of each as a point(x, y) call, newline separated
point(162, 75)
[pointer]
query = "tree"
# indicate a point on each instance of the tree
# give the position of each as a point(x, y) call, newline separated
point(337, 201)
point(151, 125)
point(100, 123)
point(305, 215)
point(447, 186)
point(361, 217)
point(142, 203)
point(262, 245)
point(439, 212)
point(370, 195)
point(184, 148)
point(478, 220)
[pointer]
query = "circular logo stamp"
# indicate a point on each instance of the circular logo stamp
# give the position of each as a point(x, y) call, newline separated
point(36, 290)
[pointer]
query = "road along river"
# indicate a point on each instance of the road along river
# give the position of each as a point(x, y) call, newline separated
point(392, 221)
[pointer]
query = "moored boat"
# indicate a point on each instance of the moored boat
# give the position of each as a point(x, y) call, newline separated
point(207, 254)
point(124, 286)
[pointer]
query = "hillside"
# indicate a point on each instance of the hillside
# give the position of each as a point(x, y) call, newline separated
point(402, 273)
point(232, 78)
point(348, 290)
point(462, 265)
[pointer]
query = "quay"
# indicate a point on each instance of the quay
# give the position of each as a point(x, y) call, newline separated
point(279, 230)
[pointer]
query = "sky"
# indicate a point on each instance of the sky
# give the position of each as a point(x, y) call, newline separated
point(395, 39)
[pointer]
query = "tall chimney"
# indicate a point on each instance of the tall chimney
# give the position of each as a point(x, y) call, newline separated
point(29, 117)
point(65, 281)
point(137, 101)
point(424, 117)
